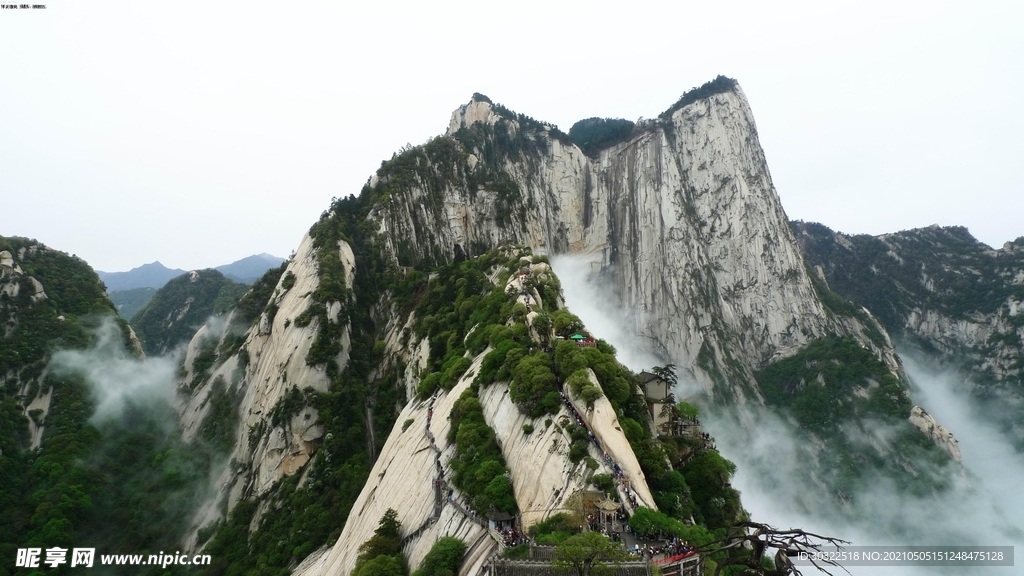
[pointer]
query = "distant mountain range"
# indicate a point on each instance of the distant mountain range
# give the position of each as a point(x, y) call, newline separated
point(131, 291)
point(155, 275)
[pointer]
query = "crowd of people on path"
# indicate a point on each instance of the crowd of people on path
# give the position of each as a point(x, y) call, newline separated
point(512, 537)
point(526, 293)
point(674, 549)
point(617, 473)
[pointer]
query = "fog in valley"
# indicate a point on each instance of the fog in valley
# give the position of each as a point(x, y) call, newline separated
point(136, 401)
point(775, 470)
point(116, 378)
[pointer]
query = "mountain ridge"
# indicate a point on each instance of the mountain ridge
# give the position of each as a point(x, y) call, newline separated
point(155, 274)
point(642, 216)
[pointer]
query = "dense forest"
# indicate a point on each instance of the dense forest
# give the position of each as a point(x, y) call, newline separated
point(593, 134)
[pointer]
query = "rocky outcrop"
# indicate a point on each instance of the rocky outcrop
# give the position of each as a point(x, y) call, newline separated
point(37, 410)
point(604, 424)
point(986, 340)
point(412, 474)
point(7, 263)
point(942, 437)
point(12, 276)
point(403, 478)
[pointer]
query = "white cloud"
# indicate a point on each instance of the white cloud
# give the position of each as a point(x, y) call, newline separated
point(115, 377)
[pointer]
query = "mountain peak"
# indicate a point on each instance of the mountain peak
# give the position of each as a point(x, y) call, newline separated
point(720, 85)
point(152, 275)
point(479, 109)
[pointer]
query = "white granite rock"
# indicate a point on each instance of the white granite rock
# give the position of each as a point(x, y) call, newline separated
point(942, 437)
point(685, 216)
point(277, 363)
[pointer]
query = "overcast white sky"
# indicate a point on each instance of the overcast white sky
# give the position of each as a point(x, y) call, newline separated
point(196, 133)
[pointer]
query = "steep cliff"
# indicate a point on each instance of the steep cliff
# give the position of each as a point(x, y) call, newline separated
point(397, 307)
point(418, 470)
point(334, 389)
point(413, 354)
point(258, 362)
point(681, 216)
point(306, 436)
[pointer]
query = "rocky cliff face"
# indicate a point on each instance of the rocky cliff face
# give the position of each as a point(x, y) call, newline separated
point(413, 474)
point(19, 291)
point(926, 423)
point(269, 366)
point(280, 433)
point(682, 217)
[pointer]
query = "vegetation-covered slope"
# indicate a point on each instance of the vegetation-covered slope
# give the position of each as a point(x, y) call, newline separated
point(33, 325)
point(121, 485)
point(852, 415)
point(938, 268)
point(178, 309)
point(593, 134)
point(129, 302)
point(940, 290)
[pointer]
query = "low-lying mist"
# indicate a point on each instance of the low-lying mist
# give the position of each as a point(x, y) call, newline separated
point(776, 477)
point(987, 452)
point(115, 377)
point(148, 481)
point(598, 306)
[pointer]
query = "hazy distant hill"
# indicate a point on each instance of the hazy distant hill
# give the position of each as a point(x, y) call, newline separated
point(251, 268)
point(155, 275)
point(129, 302)
point(132, 290)
point(152, 275)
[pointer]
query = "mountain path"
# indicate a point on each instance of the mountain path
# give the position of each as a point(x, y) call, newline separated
point(441, 487)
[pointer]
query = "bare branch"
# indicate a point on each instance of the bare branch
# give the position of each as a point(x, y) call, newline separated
point(760, 538)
